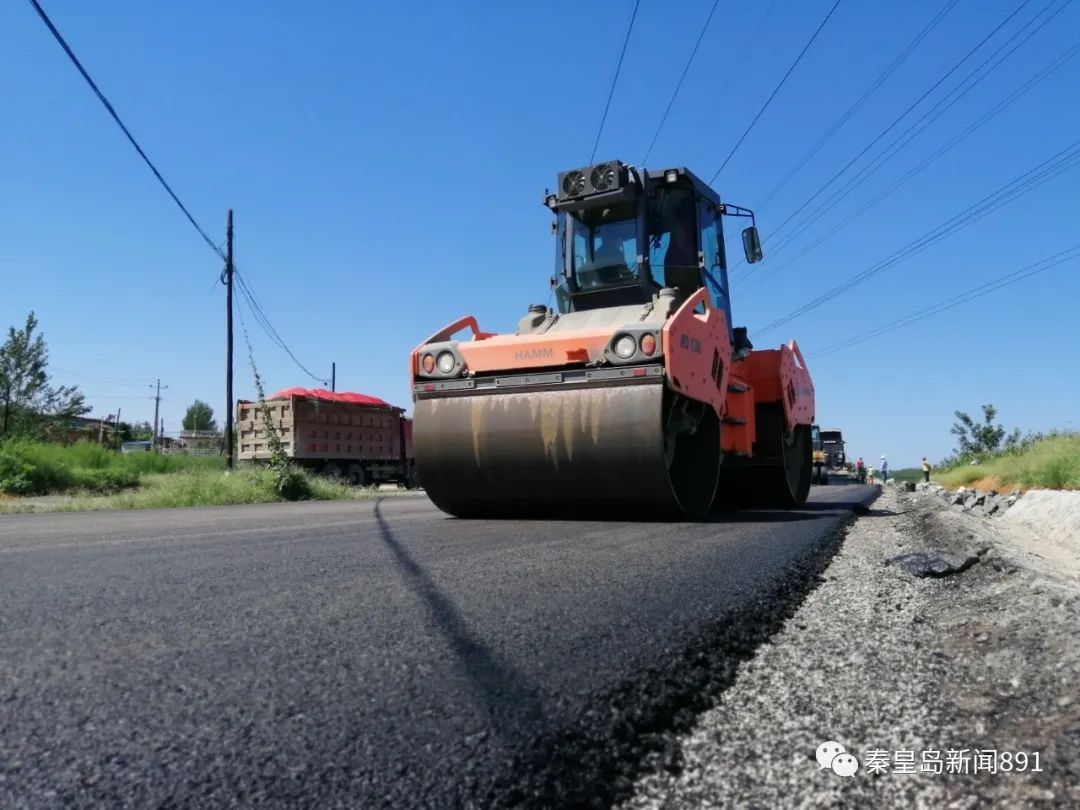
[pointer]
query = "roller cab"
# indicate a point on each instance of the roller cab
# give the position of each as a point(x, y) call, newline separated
point(634, 396)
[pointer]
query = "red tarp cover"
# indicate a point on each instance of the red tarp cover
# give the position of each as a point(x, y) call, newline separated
point(330, 396)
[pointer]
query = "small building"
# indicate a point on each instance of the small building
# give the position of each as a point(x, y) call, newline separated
point(70, 430)
point(201, 442)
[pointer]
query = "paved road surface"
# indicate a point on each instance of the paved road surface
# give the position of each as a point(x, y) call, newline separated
point(369, 654)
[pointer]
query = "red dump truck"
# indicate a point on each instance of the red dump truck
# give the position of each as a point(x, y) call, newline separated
point(355, 436)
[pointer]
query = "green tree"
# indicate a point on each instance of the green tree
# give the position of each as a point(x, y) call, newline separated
point(141, 431)
point(135, 431)
point(199, 416)
point(979, 439)
point(27, 402)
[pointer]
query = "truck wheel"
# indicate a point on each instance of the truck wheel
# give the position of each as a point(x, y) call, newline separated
point(823, 477)
point(330, 470)
point(356, 475)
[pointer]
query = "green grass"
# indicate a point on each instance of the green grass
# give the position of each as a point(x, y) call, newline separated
point(1052, 463)
point(87, 476)
point(40, 468)
point(906, 474)
point(195, 487)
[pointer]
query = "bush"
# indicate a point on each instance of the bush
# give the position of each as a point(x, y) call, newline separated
point(39, 468)
point(144, 463)
point(83, 455)
point(30, 468)
point(97, 480)
point(16, 475)
point(290, 483)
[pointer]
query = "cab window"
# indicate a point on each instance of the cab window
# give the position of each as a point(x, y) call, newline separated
point(673, 239)
point(712, 249)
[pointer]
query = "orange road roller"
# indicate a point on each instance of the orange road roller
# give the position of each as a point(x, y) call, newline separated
point(634, 395)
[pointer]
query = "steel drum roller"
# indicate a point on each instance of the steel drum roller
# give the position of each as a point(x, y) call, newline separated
point(556, 452)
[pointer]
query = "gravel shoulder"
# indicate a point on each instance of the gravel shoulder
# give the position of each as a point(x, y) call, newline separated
point(887, 663)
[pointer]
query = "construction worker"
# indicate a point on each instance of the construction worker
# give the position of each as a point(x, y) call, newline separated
point(884, 470)
point(925, 470)
point(860, 470)
point(870, 475)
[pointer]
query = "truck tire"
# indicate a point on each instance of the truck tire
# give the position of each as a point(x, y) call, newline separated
point(356, 475)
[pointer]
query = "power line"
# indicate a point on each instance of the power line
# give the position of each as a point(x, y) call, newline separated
point(776, 90)
point(259, 315)
point(247, 342)
point(100, 378)
point(931, 115)
point(854, 108)
point(1060, 162)
point(93, 86)
point(678, 84)
point(115, 396)
point(1030, 84)
point(1008, 279)
point(267, 326)
point(614, 79)
point(702, 128)
point(1013, 190)
point(899, 118)
point(264, 321)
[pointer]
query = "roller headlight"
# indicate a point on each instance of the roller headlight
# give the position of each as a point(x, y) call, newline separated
point(648, 345)
point(625, 347)
point(428, 363)
point(446, 362)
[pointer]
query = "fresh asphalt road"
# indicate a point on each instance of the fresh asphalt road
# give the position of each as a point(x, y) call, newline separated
point(349, 654)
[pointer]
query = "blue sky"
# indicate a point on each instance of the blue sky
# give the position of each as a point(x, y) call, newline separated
point(386, 164)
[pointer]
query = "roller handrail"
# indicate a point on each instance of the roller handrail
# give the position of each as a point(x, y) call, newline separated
point(456, 326)
point(794, 346)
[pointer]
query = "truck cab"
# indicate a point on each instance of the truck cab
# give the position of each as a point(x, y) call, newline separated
point(832, 441)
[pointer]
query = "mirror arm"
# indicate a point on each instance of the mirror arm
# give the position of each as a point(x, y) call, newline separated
point(729, 210)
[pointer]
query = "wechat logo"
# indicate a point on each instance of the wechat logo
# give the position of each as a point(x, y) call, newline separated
point(832, 754)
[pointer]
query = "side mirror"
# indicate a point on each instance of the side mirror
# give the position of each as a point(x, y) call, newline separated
point(751, 245)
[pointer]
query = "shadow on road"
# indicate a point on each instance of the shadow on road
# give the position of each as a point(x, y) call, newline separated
point(509, 698)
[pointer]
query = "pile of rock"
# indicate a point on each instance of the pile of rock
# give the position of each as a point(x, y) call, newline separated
point(988, 504)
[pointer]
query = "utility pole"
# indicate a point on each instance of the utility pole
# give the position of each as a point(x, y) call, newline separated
point(116, 430)
point(333, 376)
point(157, 406)
point(229, 461)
